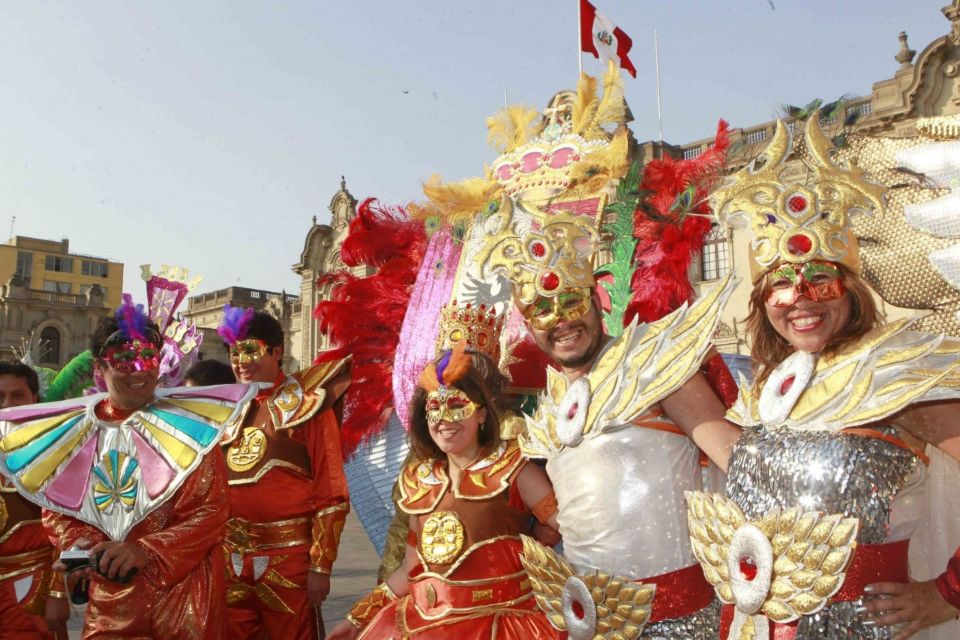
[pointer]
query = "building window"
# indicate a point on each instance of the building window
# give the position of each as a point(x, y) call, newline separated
point(56, 287)
point(91, 268)
point(693, 152)
point(25, 266)
point(255, 295)
point(715, 258)
point(862, 109)
point(50, 345)
point(59, 263)
point(756, 136)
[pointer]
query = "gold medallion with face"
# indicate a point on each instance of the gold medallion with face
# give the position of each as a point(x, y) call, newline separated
point(245, 454)
point(442, 538)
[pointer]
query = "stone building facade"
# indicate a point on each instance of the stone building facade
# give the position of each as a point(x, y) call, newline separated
point(53, 298)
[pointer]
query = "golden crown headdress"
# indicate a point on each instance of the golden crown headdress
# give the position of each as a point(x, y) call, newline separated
point(554, 254)
point(798, 221)
point(478, 326)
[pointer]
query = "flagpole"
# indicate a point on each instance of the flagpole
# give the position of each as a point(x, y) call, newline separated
point(656, 53)
point(579, 44)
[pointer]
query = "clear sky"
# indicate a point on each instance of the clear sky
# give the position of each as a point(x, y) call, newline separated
point(207, 134)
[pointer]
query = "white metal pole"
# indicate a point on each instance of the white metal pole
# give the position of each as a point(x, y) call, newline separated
point(579, 44)
point(656, 53)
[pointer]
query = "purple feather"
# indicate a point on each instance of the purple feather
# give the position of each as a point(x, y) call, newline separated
point(235, 324)
point(131, 319)
point(442, 366)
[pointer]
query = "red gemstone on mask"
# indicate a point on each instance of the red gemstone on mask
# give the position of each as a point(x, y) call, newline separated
point(538, 250)
point(799, 245)
point(748, 568)
point(549, 281)
point(578, 610)
point(797, 203)
point(786, 384)
point(573, 410)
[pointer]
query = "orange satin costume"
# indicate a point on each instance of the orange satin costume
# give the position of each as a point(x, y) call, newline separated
point(289, 502)
point(25, 559)
point(470, 584)
point(180, 594)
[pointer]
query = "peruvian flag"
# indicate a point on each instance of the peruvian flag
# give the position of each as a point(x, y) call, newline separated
point(599, 35)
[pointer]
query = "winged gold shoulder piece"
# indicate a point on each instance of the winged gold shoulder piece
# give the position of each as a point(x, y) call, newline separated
point(882, 374)
point(301, 394)
point(422, 485)
point(745, 411)
point(644, 365)
point(597, 605)
point(785, 565)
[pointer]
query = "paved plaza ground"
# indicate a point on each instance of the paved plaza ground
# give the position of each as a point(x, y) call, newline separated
point(354, 573)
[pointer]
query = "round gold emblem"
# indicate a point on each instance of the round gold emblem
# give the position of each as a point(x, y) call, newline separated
point(248, 451)
point(442, 537)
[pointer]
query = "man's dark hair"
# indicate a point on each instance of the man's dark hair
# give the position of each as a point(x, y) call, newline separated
point(267, 328)
point(21, 370)
point(208, 372)
point(107, 327)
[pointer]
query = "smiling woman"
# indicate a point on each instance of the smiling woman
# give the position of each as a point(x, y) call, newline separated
point(468, 494)
point(833, 454)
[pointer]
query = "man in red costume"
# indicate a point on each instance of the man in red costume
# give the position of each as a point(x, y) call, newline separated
point(288, 492)
point(27, 594)
point(134, 477)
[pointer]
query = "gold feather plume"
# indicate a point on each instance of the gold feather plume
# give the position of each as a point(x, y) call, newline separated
point(455, 202)
point(591, 114)
point(511, 127)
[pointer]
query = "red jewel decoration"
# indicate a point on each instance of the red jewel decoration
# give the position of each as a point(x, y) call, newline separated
point(748, 568)
point(797, 203)
point(538, 250)
point(549, 281)
point(573, 410)
point(799, 245)
point(578, 609)
point(786, 384)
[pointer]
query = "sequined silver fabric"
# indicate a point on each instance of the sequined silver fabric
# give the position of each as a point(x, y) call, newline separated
point(826, 471)
point(839, 620)
point(702, 625)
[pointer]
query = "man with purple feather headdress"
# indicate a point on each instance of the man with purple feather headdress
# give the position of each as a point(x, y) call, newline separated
point(288, 493)
point(133, 477)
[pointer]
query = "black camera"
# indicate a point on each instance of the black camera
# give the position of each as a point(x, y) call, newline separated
point(76, 559)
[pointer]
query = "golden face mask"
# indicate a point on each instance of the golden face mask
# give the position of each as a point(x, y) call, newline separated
point(247, 351)
point(448, 404)
point(818, 281)
point(545, 312)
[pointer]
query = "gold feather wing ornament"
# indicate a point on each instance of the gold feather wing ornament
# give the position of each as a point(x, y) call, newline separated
point(886, 371)
point(591, 113)
point(644, 365)
point(785, 565)
point(595, 606)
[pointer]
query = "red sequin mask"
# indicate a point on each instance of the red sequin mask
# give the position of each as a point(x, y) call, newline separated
point(818, 281)
point(132, 356)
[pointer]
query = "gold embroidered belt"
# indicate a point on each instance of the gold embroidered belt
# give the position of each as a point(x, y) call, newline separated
point(245, 537)
point(13, 566)
point(435, 596)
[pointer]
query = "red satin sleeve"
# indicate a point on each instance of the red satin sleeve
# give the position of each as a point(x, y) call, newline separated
point(948, 584)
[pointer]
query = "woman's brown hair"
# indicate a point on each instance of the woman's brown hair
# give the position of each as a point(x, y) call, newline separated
point(484, 385)
point(768, 348)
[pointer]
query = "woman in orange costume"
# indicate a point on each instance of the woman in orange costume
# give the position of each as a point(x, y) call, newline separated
point(469, 495)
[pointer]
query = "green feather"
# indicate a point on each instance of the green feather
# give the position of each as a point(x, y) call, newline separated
point(75, 376)
point(618, 226)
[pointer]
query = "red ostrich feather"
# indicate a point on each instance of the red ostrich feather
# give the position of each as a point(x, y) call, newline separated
point(669, 231)
point(364, 315)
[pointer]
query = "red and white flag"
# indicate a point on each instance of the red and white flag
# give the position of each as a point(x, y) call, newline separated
point(599, 35)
